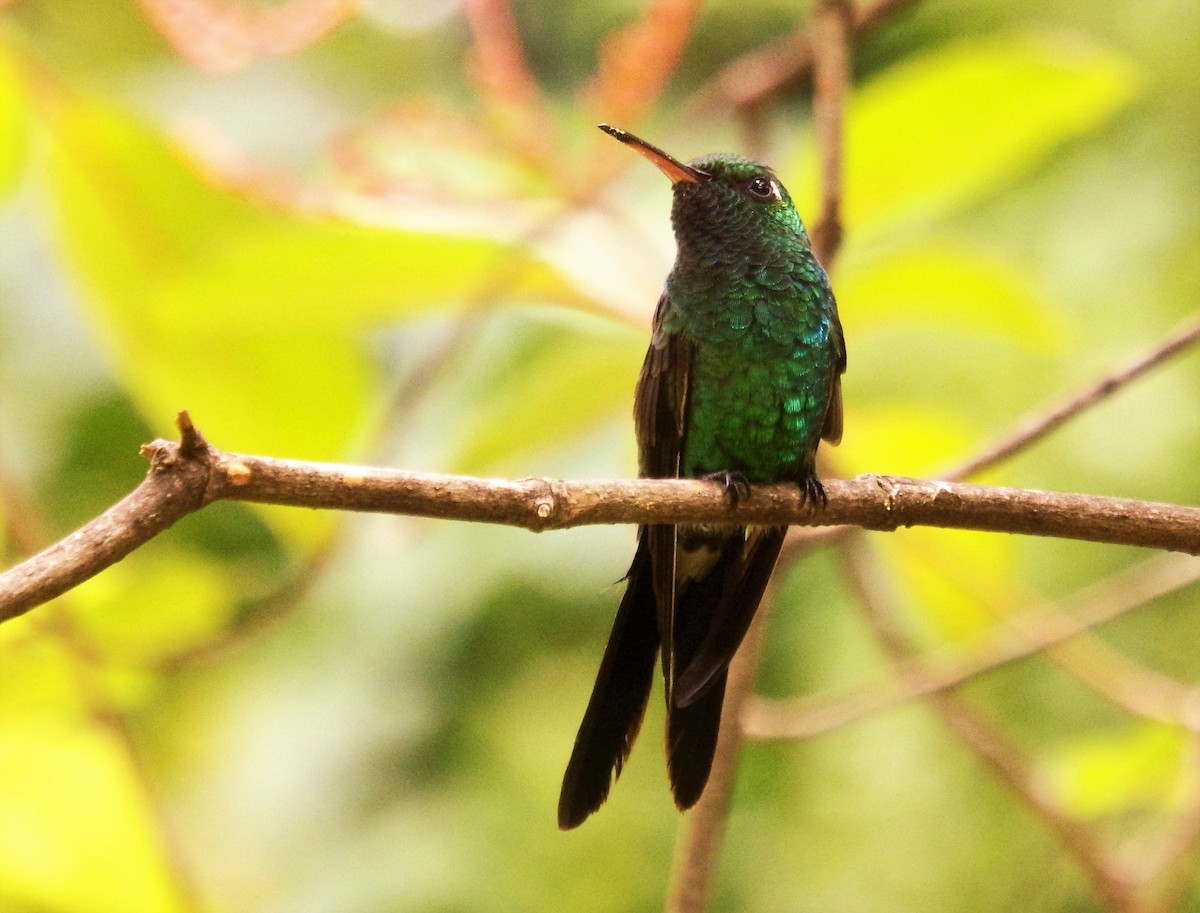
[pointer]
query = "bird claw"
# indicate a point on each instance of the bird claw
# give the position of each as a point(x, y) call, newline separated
point(812, 491)
point(737, 486)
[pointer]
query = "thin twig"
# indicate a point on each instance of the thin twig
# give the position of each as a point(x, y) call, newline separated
point(1127, 684)
point(1030, 429)
point(992, 747)
point(988, 743)
point(1035, 427)
point(1169, 863)
point(748, 81)
point(1016, 639)
point(637, 60)
point(831, 27)
point(507, 82)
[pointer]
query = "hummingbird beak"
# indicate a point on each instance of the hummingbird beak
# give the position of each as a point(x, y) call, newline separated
point(674, 169)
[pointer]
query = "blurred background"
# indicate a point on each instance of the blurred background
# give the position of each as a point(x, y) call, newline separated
point(388, 232)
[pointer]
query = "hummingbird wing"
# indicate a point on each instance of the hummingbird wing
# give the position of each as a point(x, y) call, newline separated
point(832, 429)
point(660, 421)
point(684, 610)
point(644, 617)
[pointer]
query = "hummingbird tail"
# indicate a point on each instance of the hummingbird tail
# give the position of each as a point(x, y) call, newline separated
point(692, 729)
point(692, 743)
point(731, 617)
point(618, 701)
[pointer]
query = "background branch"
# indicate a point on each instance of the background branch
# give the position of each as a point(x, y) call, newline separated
point(750, 80)
point(1014, 640)
point(1037, 426)
point(986, 739)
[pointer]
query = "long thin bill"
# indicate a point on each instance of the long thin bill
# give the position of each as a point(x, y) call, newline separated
point(668, 165)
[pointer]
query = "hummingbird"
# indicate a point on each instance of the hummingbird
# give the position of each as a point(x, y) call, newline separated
point(741, 383)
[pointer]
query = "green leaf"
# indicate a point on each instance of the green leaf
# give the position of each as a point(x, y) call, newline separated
point(251, 317)
point(562, 380)
point(943, 129)
point(1120, 771)
point(14, 124)
point(75, 832)
point(119, 613)
point(948, 288)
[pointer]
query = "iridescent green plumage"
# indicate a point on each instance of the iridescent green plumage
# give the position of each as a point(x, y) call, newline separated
point(741, 383)
point(748, 292)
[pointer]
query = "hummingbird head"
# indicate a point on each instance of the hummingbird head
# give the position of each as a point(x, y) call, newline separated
point(726, 207)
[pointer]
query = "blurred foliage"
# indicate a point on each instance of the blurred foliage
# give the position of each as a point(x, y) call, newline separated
point(366, 234)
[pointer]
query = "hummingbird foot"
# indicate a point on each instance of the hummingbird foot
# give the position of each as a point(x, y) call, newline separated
point(737, 486)
point(812, 491)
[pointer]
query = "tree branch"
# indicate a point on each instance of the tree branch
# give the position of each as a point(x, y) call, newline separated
point(1012, 640)
point(750, 80)
point(1035, 427)
point(184, 477)
point(988, 742)
point(831, 27)
point(173, 488)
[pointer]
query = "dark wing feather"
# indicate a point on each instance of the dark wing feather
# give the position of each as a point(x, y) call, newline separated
point(692, 733)
point(660, 418)
point(660, 403)
point(645, 615)
point(661, 413)
point(731, 617)
point(832, 429)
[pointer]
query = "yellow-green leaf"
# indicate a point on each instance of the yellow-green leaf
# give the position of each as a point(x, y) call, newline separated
point(944, 128)
point(909, 442)
point(14, 123)
point(122, 614)
point(561, 388)
point(1119, 771)
point(75, 829)
point(253, 317)
point(948, 288)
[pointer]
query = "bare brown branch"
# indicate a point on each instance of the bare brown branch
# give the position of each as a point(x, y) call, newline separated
point(184, 477)
point(173, 488)
point(882, 503)
point(1035, 427)
point(750, 80)
point(831, 35)
point(988, 742)
point(1017, 639)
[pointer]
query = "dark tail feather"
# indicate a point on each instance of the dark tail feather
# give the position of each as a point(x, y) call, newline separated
point(731, 619)
point(618, 700)
point(692, 743)
point(692, 729)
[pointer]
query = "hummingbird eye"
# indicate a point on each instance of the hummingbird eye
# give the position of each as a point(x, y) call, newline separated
point(763, 189)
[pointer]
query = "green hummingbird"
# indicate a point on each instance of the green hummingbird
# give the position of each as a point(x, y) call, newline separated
point(741, 383)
